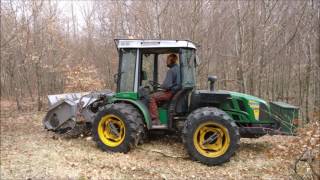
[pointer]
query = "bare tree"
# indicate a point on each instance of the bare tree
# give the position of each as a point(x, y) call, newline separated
point(266, 48)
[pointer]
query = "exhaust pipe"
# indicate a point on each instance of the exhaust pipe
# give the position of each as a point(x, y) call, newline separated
point(212, 80)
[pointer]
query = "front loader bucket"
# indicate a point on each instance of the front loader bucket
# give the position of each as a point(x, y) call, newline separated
point(65, 109)
point(62, 111)
point(61, 116)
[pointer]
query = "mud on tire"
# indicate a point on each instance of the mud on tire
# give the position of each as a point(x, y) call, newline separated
point(209, 115)
point(133, 127)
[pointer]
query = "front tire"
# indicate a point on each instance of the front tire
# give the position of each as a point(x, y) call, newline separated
point(210, 136)
point(118, 128)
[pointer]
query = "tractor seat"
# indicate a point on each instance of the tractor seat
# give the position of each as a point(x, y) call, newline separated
point(164, 104)
point(180, 100)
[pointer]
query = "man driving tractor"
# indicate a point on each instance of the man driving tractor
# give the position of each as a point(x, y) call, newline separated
point(170, 85)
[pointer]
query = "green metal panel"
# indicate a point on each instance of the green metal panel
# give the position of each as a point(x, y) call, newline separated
point(138, 104)
point(286, 113)
point(127, 95)
point(246, 96)
point(245, 108)
point(243, 114)
point(163, 115)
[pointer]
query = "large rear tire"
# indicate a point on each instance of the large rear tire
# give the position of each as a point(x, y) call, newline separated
point(118, 128)
point(210, 136)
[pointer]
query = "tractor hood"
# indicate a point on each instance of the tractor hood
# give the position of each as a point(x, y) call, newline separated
point(247, 96)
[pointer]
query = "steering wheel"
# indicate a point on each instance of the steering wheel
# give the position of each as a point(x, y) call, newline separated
point(154, 84)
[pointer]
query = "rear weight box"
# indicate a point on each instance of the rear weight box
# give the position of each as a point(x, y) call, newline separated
point(286, 114)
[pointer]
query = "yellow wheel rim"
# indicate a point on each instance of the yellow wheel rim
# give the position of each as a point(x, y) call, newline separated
point(111, 130)
point(211, 139)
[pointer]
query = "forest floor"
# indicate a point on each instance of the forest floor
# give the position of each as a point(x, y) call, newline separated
point(28, 151)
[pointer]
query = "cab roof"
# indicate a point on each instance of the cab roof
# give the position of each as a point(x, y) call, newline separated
point(153, 43)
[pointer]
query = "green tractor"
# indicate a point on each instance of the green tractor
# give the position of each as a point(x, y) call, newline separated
point(210, 122)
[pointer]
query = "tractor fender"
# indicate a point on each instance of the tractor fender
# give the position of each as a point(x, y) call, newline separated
point(140, 106)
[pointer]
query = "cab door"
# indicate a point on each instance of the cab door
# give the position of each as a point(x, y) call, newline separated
point(188, 67)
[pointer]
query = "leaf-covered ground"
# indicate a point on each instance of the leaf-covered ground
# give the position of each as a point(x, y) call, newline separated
point(30, 152)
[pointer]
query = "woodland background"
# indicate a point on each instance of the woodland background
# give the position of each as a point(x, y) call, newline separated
point(268, 48)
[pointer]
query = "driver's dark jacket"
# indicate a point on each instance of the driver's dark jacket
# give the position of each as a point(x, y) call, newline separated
point(172, 82)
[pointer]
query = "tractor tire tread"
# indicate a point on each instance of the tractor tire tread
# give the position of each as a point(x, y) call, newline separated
point(133, 122)
point(202, 115)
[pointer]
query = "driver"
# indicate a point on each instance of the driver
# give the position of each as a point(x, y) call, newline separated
point(170, 86)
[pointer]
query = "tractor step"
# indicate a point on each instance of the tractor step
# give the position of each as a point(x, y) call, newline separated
point(162, 126)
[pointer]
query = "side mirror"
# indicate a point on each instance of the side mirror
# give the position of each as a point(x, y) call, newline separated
point(212, 80)
point(144, 75)
point(115, 78)
point(197, 60)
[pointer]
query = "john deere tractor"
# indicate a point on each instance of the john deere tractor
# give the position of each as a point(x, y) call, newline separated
point(210, 121)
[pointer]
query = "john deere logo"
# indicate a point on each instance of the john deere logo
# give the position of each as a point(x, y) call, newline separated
point(255, 107)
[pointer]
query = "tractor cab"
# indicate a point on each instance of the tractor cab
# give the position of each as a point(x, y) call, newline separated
point(142, 68)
